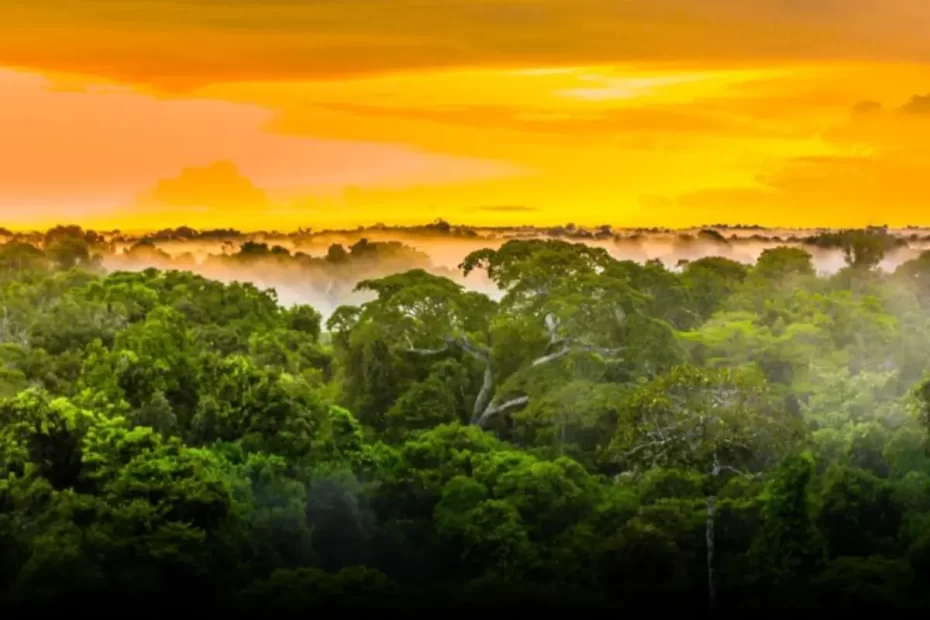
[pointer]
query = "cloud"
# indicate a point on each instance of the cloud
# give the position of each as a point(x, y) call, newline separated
point(219, 188)
point(566, 123)
point(866, 107)
point(580, 104)
point(901, 129)
point(876, 177)
point(919, 104)
point(229, 40)
point(69, 153)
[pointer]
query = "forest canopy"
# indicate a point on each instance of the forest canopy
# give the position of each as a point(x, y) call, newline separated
point(600, 433)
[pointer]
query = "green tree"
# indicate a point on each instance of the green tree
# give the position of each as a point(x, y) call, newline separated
point(714, 422)
point(789, 549)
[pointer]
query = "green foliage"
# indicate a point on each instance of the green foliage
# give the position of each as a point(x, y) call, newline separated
point(789, 548)
point(702, 419)
point(601, 433)
point(858, 513)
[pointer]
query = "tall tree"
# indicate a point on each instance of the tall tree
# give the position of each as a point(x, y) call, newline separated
point(571, 300)
point(716, 422)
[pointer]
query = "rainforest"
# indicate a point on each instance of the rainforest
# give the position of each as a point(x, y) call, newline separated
point(723, 422)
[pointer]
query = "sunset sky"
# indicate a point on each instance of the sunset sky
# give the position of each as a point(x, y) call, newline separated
point(338, 113)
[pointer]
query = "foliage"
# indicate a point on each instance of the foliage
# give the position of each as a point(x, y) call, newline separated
point(614, 434)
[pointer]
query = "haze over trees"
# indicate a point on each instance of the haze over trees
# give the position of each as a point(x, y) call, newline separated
point(589, 433)
point(322, 268)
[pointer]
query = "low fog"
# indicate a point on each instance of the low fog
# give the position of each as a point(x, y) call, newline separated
point(323, 268)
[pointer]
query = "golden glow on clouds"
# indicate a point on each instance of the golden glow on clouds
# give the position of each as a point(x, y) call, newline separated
point(144, 114)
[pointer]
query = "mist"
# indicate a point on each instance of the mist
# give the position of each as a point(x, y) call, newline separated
point(323, 268)
point(302, 269)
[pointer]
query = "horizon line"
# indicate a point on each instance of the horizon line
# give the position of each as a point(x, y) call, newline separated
point(26, 230)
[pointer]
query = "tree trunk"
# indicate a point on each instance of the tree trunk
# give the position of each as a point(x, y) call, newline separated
point(487, 390)
point(711, 578)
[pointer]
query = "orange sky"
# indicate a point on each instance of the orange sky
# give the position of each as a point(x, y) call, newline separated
point(143, 114)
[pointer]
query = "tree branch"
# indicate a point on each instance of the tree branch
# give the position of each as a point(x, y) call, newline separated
point(416, 351)
point(545, 359)
point(643, 446)
point(462, 343)
point(606, 352)
point(482, 408)
point(484, 356)
point(487, 389)
point(494, 409)
point(465, 344)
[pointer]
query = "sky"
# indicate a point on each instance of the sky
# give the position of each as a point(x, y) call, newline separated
point(280, 114)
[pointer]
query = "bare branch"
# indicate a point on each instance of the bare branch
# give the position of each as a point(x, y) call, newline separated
point(643, 446)
point(606, 352)
point(551, 357)
point(416, 351)
point(481, 407)
point(494, 409)
point(465, 344)
point(575, 348)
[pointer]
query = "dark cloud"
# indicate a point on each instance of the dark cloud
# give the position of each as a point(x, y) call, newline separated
point(138, 40)
point(867, 107)
point(919, 105)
